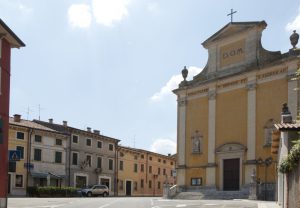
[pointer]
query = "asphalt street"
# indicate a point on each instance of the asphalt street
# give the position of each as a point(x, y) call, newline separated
point(132, 202)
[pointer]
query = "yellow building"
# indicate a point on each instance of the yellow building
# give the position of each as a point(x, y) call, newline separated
point(226, 113)
point(143, 173)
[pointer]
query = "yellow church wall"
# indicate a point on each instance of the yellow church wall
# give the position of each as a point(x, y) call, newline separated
point(231, 117)
point(197, 119)
point(269, 99)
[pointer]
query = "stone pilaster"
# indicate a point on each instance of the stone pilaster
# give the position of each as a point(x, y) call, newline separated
point(181, 140)
point(251, 129)
point(211, 170)
point(292, 86)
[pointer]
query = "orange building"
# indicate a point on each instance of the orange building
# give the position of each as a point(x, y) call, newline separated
point(143, 173)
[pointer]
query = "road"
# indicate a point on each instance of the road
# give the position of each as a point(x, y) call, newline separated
point(132, 202)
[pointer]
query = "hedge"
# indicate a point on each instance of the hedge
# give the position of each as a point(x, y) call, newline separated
point(51, 191)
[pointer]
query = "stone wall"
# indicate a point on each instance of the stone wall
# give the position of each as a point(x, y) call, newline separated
point(294, 188)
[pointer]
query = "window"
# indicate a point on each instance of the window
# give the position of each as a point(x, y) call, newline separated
point(37, 138)
point(158, 171)
point(121, 154)
point(135, 168)
point(150, 169)
point(99, 144)
point(171, 162)
point(142, 167)
point(150, 158)
point(74, 158)
point(37, 154)
point(121, 165)
point(142, 156)
point(58, 157)
point(159, 160)
point(196, 181)
point(171, 172)
point(111, 147)
point(150, 184)
point(110, 164)
point(135, 185)
point(89, 160)
point(58, 142)
point(19, 181)
point(196, 142)
point(164, 161)
point(121, 184)
point(158, 185)
point(99, 162)
point(88, 142)
point(75, 139)
point(20, 135)
point(142, 183)
point(164, 171)
point(21, 149)
point(135, 157)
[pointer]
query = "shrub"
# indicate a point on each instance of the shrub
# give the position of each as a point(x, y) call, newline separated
point(51, 191)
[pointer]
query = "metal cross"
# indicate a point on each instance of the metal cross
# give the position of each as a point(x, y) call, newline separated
point(231, 14)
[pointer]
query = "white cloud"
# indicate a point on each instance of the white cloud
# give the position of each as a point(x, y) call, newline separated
point(107, 12)
point(25, 9)
point(173, 84)
point(295, 24)
point(163, 146)
point(80, 15)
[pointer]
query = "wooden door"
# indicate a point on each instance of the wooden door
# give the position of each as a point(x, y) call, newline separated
point(231, 174)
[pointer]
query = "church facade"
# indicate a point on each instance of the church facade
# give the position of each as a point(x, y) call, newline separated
point(226, 114)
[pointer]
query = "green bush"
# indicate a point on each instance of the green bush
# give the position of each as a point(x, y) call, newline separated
point(51, 191)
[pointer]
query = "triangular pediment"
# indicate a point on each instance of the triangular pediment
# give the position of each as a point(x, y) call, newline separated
point(233, 29)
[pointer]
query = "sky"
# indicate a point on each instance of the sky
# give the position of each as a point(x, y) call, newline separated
point(112, 64)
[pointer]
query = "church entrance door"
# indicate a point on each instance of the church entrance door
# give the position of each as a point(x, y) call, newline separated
point(231, 174)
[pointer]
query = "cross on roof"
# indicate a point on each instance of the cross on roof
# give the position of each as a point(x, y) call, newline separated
point(231, 14)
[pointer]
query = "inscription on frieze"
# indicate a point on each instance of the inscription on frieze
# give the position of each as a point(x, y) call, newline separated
point(271, 73)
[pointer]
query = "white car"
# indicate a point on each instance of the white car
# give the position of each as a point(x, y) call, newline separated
point(95, 190)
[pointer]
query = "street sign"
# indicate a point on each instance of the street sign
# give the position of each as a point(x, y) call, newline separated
point(14, 155)
point(28, 165)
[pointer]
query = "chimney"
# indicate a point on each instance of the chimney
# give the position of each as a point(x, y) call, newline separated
point(286, 116)
point(169, 154)
point(89, 129)
point(96, 132)
point(17, 118)
point(51, 120)
point(65, 123)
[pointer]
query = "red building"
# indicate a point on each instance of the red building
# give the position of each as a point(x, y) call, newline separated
point(8, 40)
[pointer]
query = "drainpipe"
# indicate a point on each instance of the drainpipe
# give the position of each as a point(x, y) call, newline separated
point(28, 157)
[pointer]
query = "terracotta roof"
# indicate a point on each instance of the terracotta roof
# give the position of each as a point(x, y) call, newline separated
point(288, 126)
point(29, 124)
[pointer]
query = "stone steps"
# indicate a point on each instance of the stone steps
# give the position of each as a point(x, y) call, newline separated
point(203, 194)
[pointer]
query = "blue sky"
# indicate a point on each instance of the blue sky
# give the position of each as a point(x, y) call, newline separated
point(111, 67)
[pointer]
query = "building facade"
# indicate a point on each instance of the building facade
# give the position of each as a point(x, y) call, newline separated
point(43, 156)
point(8, 40)
point(226, 114)
point(143, 173)
point(91, 156)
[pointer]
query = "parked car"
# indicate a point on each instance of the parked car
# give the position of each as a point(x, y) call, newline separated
point(95, 190)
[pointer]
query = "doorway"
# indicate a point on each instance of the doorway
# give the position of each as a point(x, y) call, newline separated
point(128, 188)
point(231, 174)
point(9, 184)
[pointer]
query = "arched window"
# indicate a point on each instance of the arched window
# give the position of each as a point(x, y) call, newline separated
point(268, 131)
point(197, 142)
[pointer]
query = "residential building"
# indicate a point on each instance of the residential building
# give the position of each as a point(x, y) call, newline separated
point(90, 155)
point(43, 156)
point(143, 173)
point(226, 113)
point(8, 40)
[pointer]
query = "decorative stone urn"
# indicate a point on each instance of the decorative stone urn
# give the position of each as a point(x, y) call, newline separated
point(185, 72)
point(294, 39)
